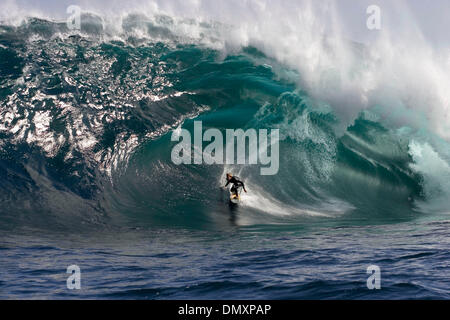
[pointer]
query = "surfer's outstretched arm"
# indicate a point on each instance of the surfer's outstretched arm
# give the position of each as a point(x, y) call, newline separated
point(241, 184)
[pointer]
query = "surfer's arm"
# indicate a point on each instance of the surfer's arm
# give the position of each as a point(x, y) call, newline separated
point(243, 186)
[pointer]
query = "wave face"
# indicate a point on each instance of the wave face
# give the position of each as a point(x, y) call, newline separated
point(86, 119)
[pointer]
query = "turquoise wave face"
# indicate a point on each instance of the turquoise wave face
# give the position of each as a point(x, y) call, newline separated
point(86, 124)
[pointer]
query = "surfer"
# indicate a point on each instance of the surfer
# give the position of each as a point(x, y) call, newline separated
point(236, 185)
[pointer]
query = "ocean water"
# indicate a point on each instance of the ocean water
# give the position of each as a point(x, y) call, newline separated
point(298, 262)
point(86, 177)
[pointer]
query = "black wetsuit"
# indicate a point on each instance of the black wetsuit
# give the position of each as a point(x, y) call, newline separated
point(236, 184)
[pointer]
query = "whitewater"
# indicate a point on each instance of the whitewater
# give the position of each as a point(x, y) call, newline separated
point(86, 175)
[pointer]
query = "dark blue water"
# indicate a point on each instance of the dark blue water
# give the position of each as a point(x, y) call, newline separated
point(86, 177)
point(317, 262)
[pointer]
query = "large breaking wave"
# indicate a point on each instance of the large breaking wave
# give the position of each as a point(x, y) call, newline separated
point(86, 116)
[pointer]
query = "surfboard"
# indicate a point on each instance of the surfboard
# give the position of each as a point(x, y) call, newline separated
point(235, 199)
